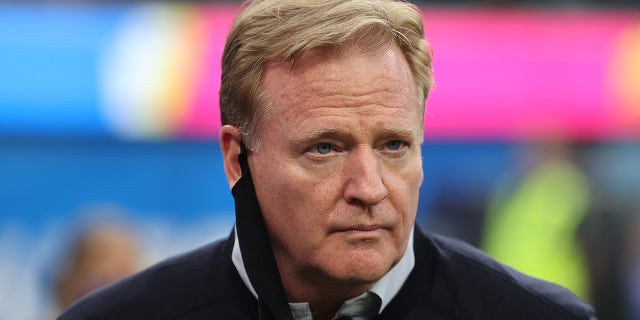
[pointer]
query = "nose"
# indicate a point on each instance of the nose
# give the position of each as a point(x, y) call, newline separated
point(364, 179)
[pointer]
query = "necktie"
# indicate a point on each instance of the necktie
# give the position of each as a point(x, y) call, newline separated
point(363, 307)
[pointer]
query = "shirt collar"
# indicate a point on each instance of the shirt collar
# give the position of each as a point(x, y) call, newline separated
point(389, 285)
point(386, 288)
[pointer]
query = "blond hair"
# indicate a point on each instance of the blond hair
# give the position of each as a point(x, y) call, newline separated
point(284, 30)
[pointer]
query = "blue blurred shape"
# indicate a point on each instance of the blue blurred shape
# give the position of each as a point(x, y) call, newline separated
point(49, 60)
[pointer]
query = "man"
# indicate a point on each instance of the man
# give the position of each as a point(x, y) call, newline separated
point(322, 104)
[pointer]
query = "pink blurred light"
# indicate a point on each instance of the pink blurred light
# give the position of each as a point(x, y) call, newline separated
point(519, 74)
point(203, 119)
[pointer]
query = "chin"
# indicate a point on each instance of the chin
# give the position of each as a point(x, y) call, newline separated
point(363, 267)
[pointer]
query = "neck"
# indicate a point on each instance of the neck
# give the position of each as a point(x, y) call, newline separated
point(324, 295)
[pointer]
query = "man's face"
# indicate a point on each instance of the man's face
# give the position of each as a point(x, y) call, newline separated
point(339, 169)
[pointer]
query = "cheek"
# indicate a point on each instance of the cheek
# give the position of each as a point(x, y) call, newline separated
point(404, 189)
point(292, 201)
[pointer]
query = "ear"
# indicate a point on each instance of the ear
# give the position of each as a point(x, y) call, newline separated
point(230, 140)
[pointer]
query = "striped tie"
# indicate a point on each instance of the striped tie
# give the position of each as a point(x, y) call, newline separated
point(363, 307)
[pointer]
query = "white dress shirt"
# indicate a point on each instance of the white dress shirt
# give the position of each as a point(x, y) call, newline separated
point(386, 288)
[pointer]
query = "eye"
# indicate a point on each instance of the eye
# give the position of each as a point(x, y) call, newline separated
point(395, 145)
point(322, 148)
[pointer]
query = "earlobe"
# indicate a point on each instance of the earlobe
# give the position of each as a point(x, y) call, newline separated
point(230, 141)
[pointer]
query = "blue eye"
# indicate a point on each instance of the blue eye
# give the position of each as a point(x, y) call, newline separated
point(322, 148)
point(395, 144)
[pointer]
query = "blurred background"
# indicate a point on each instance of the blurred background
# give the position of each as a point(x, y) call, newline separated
point(109, 158)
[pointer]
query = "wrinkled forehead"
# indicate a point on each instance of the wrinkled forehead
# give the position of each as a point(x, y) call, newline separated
point(322, 67)
point(317, 72)
point(322, 80)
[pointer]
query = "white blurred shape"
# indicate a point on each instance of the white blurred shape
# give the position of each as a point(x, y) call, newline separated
point(138, 73)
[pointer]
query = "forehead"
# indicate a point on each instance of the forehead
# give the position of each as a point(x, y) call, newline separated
point(351, 76)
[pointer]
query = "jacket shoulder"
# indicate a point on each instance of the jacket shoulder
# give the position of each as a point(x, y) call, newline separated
point(200, 281)
point(488, 288)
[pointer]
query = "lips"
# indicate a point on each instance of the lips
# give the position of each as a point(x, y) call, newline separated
point(361, 228)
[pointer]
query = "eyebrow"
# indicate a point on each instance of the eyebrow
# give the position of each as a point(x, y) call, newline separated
point(327, 132)
point(316, 134)
point(399, 132)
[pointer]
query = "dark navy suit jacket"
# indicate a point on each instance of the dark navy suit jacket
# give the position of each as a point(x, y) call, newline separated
point(451, 280)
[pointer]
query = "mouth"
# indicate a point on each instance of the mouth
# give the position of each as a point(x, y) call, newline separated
point(362, 229)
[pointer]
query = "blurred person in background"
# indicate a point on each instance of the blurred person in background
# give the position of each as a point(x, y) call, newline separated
point(323, 107)
point(631, 268)
point(612, 228)
point(532, 223)
point(102, 254)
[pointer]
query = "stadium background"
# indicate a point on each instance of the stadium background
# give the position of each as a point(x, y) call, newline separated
point(108, 111)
